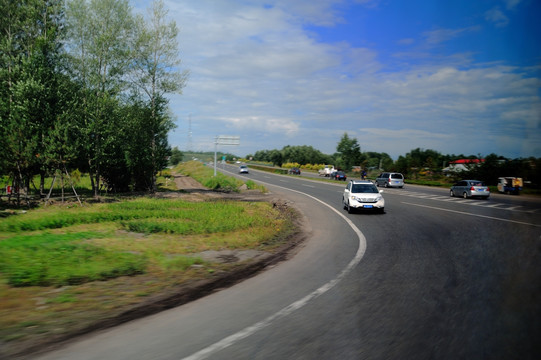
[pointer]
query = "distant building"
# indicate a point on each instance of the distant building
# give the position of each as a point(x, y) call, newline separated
point(462, 165)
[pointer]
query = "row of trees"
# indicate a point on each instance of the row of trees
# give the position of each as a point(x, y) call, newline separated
point(348, 154)
point(84, 85)
point(417, 162)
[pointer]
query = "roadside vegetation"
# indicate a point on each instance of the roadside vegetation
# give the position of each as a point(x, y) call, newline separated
point(419, 166)
point(63, 267)
point(205, 175)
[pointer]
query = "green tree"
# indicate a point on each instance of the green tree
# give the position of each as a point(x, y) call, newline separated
point(350, 152)
point(261, 155)
point(30, 46)
point(176, 156)
point(155, 71)
point(100, 34)
point(275, 156)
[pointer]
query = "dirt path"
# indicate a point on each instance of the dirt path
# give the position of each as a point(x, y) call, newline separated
point(186, 183)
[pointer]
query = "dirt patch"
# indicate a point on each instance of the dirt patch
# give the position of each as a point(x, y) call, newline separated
point(186, 183)
point(231, 256)
point(232, 266)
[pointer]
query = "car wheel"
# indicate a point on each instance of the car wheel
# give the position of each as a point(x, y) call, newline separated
point(386, 185)
point(382, 210)
point(465, 195)
point(451, 194)
point(350, 209)
point(344, 204)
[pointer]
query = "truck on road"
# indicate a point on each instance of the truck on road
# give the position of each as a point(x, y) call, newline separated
point(326, 171)
point(510, 185)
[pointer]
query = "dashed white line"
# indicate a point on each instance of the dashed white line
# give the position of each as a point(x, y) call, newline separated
point(491, 205)
point(471, 214)
point(460, 200)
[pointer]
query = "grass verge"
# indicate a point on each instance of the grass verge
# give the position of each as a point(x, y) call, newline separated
point(63, 268)
point(205, 176)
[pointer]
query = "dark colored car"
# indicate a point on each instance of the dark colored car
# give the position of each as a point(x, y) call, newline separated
point(339, 175)
point(295, 171)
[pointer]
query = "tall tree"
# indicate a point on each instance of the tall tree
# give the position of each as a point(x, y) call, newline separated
point(30, 46)
point(99, 37)
point(156, 73)
point(350, 151)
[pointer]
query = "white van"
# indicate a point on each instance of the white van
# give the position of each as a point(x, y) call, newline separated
point(390, 179)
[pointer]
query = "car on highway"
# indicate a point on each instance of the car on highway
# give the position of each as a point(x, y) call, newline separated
point(362, 195)
point(338, 175)
point(295, 171)
point(470, 189)
point(243, 169)
point(390, 179)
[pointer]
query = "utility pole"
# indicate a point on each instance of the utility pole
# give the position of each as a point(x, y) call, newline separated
point(190, 133)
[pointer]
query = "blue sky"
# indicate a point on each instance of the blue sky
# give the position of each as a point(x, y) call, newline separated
point(458, 77)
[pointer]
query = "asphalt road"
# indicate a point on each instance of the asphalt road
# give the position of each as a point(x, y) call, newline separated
point(433, 278)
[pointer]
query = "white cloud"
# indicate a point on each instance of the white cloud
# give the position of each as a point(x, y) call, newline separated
point(255, 72)
point(512, 4)
point(438, 36)
point(496, 16)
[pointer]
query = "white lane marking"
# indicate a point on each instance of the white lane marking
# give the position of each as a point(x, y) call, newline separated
point(310, 186)
point(244, 333)
point(491, 205)
point(470, 214)
point(460, 200)
point(515, 208)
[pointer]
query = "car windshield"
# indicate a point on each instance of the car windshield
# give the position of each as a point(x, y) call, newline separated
point(364, 188)
point(477, 183)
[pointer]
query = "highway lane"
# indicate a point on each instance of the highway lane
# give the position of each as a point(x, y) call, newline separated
point(439, 279)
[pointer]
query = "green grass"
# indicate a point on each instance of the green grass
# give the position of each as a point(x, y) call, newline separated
point(205, 176)
point(64, 266)
point(142, 215)
point(32, 255)
point(62, 259)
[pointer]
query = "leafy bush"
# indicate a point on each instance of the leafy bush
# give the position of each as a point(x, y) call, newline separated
point(291, 165)
point(222, 182)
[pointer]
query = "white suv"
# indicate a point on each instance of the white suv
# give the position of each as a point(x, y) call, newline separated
point(362, 194)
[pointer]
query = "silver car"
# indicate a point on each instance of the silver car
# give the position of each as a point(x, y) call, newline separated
point(243, 169)
point(470, 189)
point(362, 194)
point(390, 179)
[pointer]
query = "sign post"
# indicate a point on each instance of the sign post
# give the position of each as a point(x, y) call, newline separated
point(224, 140)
